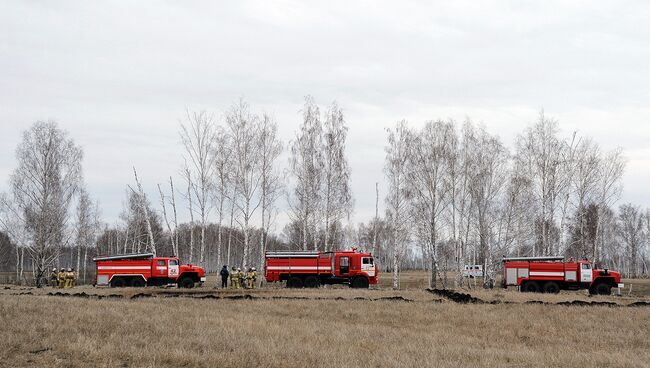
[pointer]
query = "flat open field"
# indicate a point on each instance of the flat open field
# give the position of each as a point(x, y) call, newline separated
point(331, 327)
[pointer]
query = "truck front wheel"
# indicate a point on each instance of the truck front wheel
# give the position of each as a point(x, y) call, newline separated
point(530, 287)
point(186, 282)
point(359, 283)
point(601, 289)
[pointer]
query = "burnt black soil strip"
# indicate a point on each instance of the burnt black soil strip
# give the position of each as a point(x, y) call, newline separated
point(456, 297)
point(462, 298)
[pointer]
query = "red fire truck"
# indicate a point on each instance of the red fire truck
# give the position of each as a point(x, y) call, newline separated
point(142, 269)
point(552, 274)
point(311, 269)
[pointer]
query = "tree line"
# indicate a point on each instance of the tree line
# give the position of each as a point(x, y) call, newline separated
point(454, 195)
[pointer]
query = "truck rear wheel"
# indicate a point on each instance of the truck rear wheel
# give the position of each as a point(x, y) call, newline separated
point(118, 282)
point(186, 282)
point(530, 287)
point(138, 282)
point(294, 282)
point(551, 287)
point(312, 282)
point(359, 283)
point(601, 289)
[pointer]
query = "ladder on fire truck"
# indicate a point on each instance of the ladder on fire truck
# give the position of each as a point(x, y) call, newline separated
point(124, 256)
point(533, 259)
point(292, 254)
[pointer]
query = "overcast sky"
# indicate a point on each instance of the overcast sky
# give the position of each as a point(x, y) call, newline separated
point(119, 75)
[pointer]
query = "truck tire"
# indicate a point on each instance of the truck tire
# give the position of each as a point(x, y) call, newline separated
point(601, 288)
point(186, 282)
point(312, 282)
point(551, 287)
point(530, 287)
point(359, 283)
point(138, 282)
point(294, 282)
point(118, 282)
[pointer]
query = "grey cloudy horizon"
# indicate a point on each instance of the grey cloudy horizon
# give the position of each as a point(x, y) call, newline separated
point(118, 76)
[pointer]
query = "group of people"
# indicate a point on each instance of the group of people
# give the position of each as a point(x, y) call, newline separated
point(63, 278)
point(238, 279)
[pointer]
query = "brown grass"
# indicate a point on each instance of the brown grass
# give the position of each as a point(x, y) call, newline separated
point(334, 331)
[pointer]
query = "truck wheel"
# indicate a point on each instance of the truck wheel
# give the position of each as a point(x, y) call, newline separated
point(359, 283)
point(551, 287)
point(601, 289)
point(118, 282)
point(186, 282)
point(312, 282)
point(137, 282)
point(294, 282)
point(530, 287)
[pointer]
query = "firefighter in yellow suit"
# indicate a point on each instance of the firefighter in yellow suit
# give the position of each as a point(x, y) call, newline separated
point(61, 275)
point(74, 278)
point(251, 278)
point(233, 278)
point(54, 278)
point(240, 277)
point(69, 277)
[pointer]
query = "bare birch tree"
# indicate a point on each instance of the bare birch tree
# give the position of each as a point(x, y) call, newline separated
point(270, 149)
point(398, 196)
point(630, 220)
point(608, 191)
point(172, 225)
point(144, 207)
point(87, 227)
point(430, 184)
point(488, 175)
point(336, 193)
point(243, 129)
point(42, 186)
point(306, 162)
point(222, 184)
point(198, 136)
point(541, 156)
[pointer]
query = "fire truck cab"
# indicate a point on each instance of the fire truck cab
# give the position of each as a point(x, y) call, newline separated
point(552, 274)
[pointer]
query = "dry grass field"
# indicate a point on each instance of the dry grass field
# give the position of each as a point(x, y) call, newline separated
point(332, 327)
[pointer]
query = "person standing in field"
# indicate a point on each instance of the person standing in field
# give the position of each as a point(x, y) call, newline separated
point(233, 277)
point(251, 278)
point(241, 278)
point(73, 281)
point(68, 278)
point(54, 276)
point(224, 276)
point(61, 277)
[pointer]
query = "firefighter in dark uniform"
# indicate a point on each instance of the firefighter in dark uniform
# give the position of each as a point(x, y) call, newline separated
point(54, 278)
point(224, 276)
